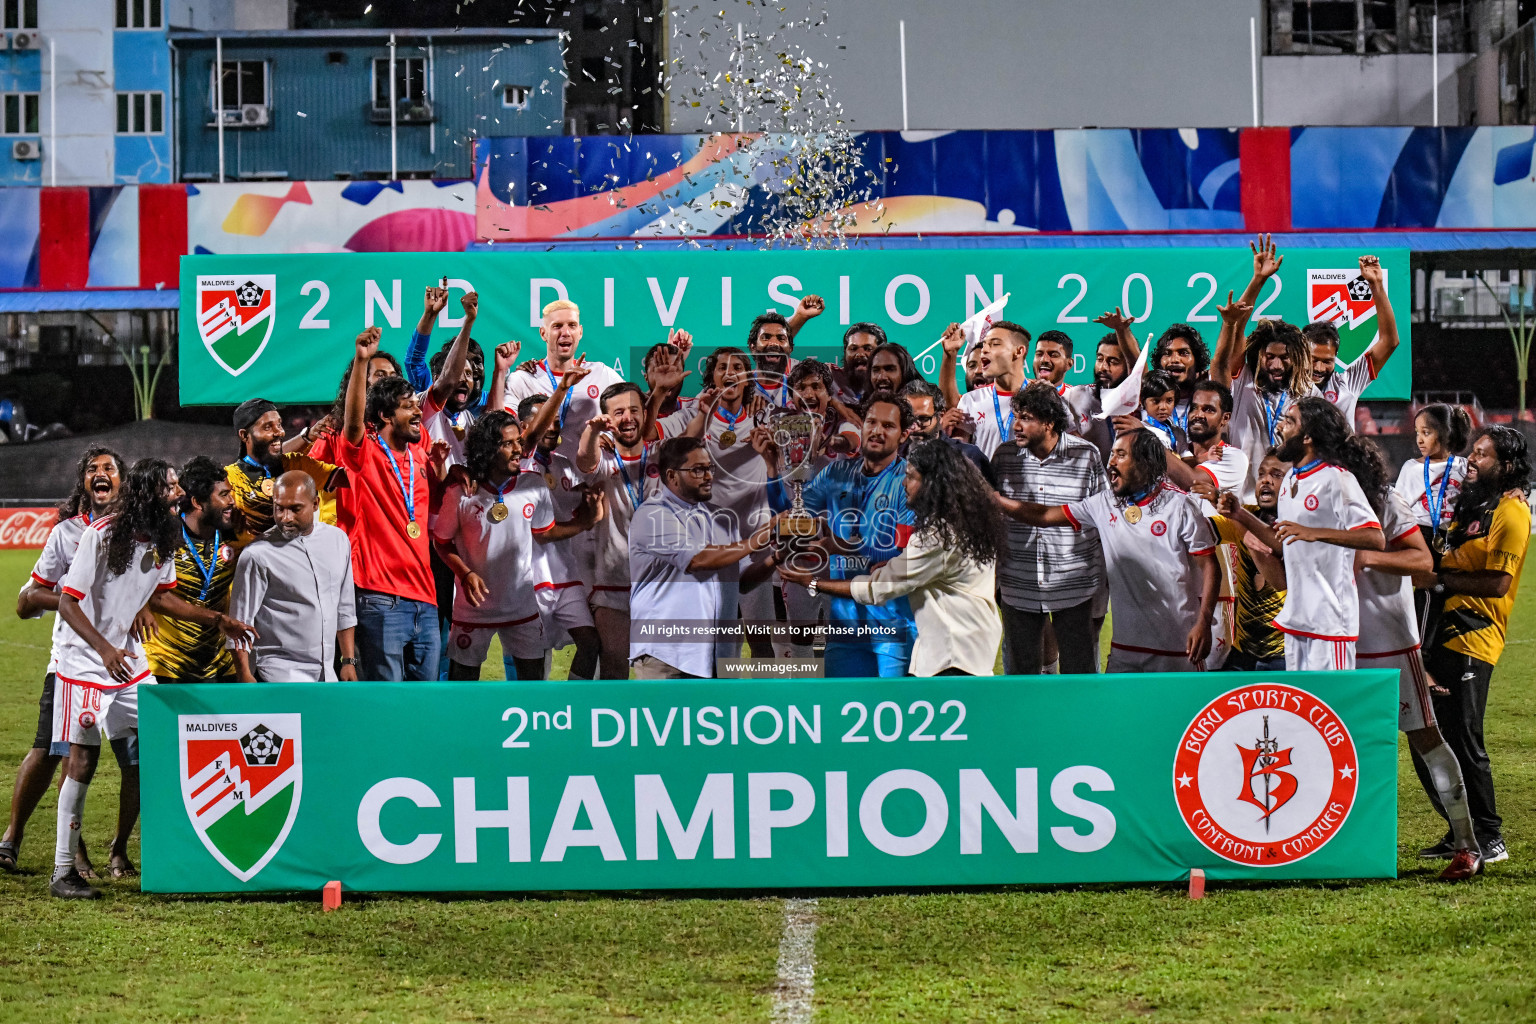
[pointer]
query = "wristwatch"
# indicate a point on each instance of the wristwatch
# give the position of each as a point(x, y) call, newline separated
point(1439, 587)
point(349, 661)
point(811, 587)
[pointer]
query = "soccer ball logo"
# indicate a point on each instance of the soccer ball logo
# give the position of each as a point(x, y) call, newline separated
point(261, 746)
point(250, 293)
point(1360, 291)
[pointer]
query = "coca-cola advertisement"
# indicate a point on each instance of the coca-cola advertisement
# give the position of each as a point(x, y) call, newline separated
point(26, 527)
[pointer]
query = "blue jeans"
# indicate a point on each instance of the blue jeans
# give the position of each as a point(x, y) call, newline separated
point(397, 638)
point(865, 660)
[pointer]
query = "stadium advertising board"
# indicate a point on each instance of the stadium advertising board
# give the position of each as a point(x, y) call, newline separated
point(282, 326)
point(747, 784)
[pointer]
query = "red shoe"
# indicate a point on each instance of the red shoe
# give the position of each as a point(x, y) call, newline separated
point(1465, 865)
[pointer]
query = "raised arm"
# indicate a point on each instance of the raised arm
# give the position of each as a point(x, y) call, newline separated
point(416, 370)
point(458, 352)
point(806, 309)
point(549, 411)
point(1386, 321)
point(1229, 342)
point(589, 452)
point(356, 409)
point(1118, 322)
point(952, 342)
point(668, 382)
point(506, 358)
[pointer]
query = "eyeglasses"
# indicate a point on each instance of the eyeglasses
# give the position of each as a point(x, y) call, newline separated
point(697, 470)
point(923, 419)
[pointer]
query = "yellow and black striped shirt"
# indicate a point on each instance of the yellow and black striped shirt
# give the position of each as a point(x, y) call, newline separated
point(184, 650)
point(1254, 606)
point(256, 505)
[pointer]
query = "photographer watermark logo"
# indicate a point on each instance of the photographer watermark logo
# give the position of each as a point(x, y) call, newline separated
point(1265, 775)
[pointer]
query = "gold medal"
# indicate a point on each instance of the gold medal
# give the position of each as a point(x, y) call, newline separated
point(1133, 514)
point(266, 487)
point(497, 513)
point(1293, 488)
point(458, 431)
point(549, 480)
point(728, 438)
point(412, 530)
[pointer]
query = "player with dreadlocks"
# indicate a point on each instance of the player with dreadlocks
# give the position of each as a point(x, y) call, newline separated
point(98, 479)
point(124, 558)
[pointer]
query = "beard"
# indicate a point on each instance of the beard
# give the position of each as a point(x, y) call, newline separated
point(1290, 450)
point(263, 453)
point(1477, 496)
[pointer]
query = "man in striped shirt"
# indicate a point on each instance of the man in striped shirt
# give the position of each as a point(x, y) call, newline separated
point(1048, 574)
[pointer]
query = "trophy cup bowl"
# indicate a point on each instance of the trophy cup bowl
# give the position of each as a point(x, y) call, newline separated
point(795, 433)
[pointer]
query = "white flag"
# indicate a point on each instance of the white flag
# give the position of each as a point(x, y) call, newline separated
point(974, 327)
point(1124, 399)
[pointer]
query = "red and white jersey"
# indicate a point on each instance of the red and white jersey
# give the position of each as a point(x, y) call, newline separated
point(1344, 387)
point(1255, 415)
point(560, 563)
point(1154, 580)
point(626, 480)
point(109, 603)
point(583, 404)
point(1441, 492)
point(1388, 622)
point(450, 428)
point(741, 475)
point(992, 411)
point(1321, 599)
point(500, 553)
point(52, 563)
point(1227, 466)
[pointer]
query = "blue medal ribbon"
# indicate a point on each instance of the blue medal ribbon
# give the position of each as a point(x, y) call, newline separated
point(206, 571)
point(565, 406)
point(636, 491)
point(407, 493)
point(1182, 422)
point(1005, 432)
point(1273, 413)
point(1438, 503)
point(1164, 429)
point(730, 424)
point(248, 461)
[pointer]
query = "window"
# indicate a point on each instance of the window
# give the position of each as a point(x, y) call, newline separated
point(245, 81)
point(515, 96)
point(134, 13)
point(22, 13)
point(410, 82)
point(18, 113)
point(140, 113)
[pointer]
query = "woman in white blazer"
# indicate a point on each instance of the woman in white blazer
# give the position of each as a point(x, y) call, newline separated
point(947, 569)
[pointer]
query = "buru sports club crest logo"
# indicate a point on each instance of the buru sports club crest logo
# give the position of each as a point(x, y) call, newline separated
point(241, 779)
point(1265, 775)
point(235, 317)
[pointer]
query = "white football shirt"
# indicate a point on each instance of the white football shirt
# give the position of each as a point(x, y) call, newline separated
point(992, 411)
point(1227, 466)
point(741, 474)
point(1388, 622)
point(1344, 387)
point(584, 398)
point(1410, 484)
point(626, 480)
point(1154, 580)
point(451, 429)
point(1255, 415)
point(1321, 598)
point(561, 563)
point(51, 565)
point(500, 553)
point(109, 603)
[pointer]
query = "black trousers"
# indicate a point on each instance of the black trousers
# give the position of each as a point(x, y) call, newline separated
point(1074, 639)
point(1460, 715)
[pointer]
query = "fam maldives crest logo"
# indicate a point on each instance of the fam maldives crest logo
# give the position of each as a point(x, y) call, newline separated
point(241, 778)
point(1265, 775)
point(235, 317)
point(1341, 297)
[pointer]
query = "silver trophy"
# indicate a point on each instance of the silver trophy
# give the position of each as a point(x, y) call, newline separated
point(795, 432)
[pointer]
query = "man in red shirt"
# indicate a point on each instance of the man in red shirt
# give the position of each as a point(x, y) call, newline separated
point(385, 454)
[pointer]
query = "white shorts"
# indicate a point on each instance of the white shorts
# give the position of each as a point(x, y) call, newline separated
point(1414, 708)
point(468, 642)
point(84, 714)
point(1100, 607)
point(1221, 636)
point(1314, 654)
point(563, 609)
point(1124, 659)
point(615, 597)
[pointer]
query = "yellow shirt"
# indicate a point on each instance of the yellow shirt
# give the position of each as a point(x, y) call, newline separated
point(245, 481)
point(184, 650)
point(1496, 542)
point(1254, 603)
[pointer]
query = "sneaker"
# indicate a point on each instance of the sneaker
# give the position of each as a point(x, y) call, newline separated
point(1445, 849)
point(1465, 865)
point(1494, 851)
point(70, 886)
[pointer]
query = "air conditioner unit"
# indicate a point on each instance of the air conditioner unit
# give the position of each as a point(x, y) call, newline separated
point(254, 115)
point(26, 41)
point(26, 149)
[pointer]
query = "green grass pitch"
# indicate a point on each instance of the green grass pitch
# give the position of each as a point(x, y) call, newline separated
point(1404, 950)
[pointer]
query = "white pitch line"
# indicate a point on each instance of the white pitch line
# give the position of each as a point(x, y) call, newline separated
point(796, 990)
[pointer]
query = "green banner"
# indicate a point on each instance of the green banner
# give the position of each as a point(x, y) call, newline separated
point(282, 327)
point(746, 784)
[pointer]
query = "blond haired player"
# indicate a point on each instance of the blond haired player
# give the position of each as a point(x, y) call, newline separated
point(561, 331)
